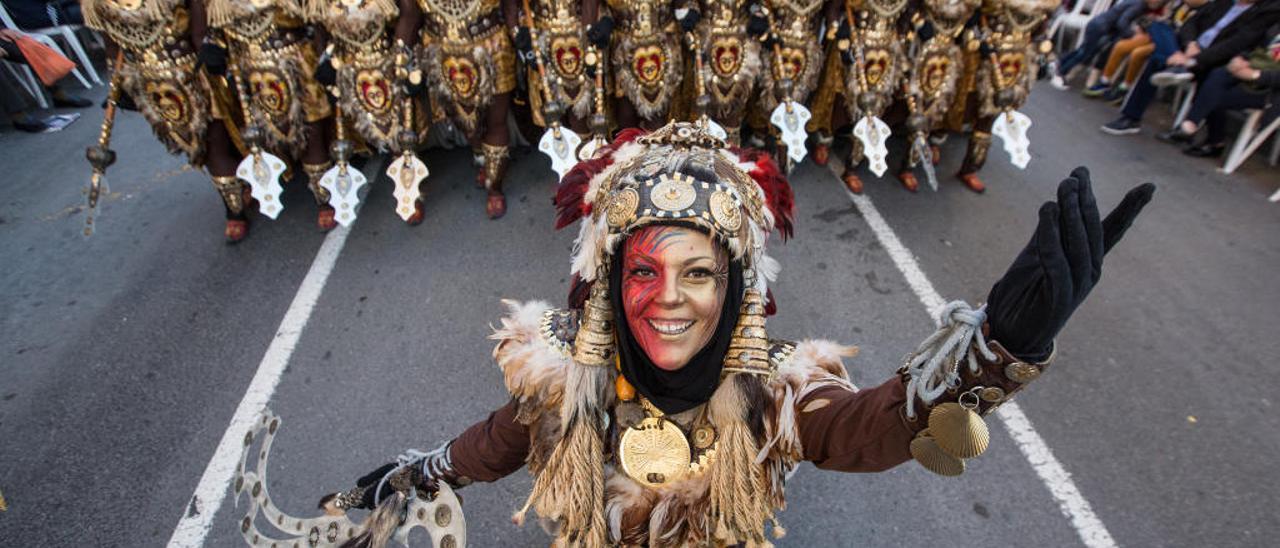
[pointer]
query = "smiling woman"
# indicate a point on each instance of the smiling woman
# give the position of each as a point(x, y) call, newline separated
point(657, 411)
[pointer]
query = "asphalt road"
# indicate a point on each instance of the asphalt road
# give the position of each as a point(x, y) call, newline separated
point(125, 355)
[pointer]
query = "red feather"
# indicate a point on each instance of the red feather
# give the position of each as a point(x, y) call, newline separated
point(777, 191)
point(570, 199)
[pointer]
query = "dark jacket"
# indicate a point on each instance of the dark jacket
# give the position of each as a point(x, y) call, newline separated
point(1242, 35)
point(1270, 79)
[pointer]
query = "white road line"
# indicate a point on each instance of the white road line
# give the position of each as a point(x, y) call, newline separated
point(1092, 531)
point(198, 514)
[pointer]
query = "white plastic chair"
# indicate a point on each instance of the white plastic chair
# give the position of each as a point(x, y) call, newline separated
point(27, 79)
point(1075, 20)
point(67, 33)
point(1250, 140)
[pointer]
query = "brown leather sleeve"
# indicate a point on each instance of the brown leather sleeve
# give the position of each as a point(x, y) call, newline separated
point(493, 448)
point(856, 431)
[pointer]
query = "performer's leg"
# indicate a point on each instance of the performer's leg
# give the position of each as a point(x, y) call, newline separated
point(976, 155)
point(221, 163)
point(625, 113)
point(822, 147)
point(496, 154)
point(909, 160)
point(850, 176)
point(315, 162)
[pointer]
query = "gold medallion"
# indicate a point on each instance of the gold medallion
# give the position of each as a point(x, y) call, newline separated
point(1021, 373)
point(724, 209)
point(673, 193)
point(654, 452)
point(926, 452)
point(622, 208)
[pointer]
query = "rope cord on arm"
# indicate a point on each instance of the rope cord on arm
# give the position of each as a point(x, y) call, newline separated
point(935, 366)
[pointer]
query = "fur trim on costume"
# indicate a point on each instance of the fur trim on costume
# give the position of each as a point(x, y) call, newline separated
point(150, 12)
point(222, 13)
point(651, 102)
point(186, 138)
point(802, 85)
point(721, 505)
point(464, 112)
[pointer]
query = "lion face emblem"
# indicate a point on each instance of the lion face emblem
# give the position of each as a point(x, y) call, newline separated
point(169, 101)
point(1010, 65)
point(935, 74)
point(568, 55)
point(793, 63)
point(648, 64)
point(876, 65)
point(270, 92)
point(375, 91)
point(726, 56)
point(462, 75)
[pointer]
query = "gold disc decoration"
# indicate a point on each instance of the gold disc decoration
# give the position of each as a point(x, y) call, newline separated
point(958, 430)
point(1021, 373)
point(725, 211)
point(654, 452)
point(622, 208)
point(926, 452)
point(673, 193)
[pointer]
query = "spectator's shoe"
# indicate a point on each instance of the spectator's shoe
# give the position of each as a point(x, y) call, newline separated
point(1097, 90)
point(1175, 135)
point(31, 124)
point(1204, 151)
point(1116, 94)
point(62, 100)
point(1058, 82)
point(1171, 77)
point(1123, 125)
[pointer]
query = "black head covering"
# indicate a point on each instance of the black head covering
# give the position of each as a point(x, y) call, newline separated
point(693, 384)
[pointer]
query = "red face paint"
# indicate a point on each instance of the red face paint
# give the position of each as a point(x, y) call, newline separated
point(673, 286)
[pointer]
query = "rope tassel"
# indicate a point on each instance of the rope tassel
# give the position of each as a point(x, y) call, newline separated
point(935, 366)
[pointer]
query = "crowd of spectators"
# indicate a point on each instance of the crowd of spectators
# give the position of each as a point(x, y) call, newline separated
point(1228, 50)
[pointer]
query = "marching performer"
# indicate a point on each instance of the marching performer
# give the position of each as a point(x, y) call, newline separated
point(792, 68)
point(730, 75)
point(157, 71)
point(647, 59)
point(369, 68)
point(998, 77)
point(469, 63)
point(936, 66)
point(267, 47)
point(657, 410)
point(565, 30)
point(868, 79)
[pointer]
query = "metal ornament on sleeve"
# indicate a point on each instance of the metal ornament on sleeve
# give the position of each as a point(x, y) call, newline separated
point(439, 513)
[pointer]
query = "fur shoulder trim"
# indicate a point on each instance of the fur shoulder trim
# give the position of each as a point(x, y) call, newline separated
point(802, 368)
point(533, 351)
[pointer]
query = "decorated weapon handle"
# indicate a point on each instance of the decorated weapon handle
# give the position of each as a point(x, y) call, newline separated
point(246, 110)
point(101, 156)
point(857, 49)
point(547, 97)
point(777, 57)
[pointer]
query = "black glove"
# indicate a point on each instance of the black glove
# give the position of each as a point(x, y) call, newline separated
point(926, 31)
point(213, 58)
point(757, 25)
point(325, 74)
point(1054, 273)
point(523, 43)
point(690, 20)
point(598, 33)
point(985, 49)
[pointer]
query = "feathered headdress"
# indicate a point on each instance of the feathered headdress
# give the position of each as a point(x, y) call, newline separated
point(639, 180)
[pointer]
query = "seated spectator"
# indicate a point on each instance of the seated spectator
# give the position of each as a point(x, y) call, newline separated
point(15, 105)
point(1136, 50)
point(1250, 81)
point(1215, 34)
point(38, 14)
point(1102, 30)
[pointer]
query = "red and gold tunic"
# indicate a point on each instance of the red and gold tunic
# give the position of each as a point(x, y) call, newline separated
point(467, 57)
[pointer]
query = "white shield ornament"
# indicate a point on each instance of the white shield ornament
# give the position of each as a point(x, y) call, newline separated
point(790, 118)
point(406, 172)
point(560, 146)
point(589, 148)
point(873, 132)
point(1011, 127)
point(343, 184)
point(262, 171)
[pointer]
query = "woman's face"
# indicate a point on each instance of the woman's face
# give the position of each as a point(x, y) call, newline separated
point(673, 286)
